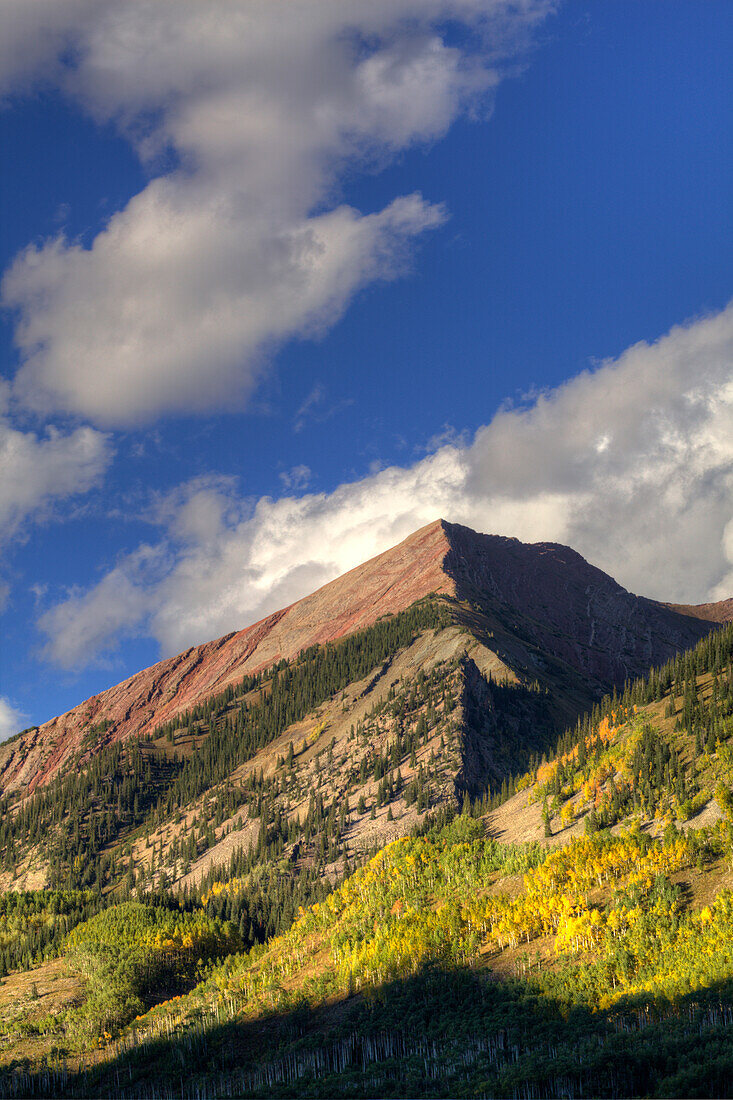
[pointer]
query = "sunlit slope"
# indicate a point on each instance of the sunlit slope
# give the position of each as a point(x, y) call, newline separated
point(660, 752)
point(454, 965)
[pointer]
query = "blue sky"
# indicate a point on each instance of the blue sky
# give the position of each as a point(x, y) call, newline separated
point(276, 298)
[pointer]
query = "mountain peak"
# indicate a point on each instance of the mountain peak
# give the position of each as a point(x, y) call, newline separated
point(544, 594)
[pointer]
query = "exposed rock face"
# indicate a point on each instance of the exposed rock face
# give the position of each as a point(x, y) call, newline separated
point(572, 610)
point(544, 593)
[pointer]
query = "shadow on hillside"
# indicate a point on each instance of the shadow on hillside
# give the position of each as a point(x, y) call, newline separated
point(507, 725)
point(440, 1033)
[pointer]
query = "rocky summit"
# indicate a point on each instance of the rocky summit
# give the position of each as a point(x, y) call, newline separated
point(543, 605)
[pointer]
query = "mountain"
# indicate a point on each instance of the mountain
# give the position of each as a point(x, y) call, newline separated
point(541, 608)
point(392, 840)
point(437, 672)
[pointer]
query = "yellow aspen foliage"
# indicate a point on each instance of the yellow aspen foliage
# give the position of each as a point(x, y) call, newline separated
point(567, 814)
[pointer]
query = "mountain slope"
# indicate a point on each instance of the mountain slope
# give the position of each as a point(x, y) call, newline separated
point(571, 609)
point(659, 753)
point(452, 962)
point(381, 586)
point(543, 605)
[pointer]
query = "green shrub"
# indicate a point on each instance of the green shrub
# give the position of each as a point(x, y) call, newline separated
point(133, 955)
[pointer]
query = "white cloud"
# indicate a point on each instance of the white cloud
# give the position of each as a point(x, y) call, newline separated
point(11, 720)
point(652, 502)
point(653, 505)
point(174, 303)
point(242, 244)
point(199, 510)
point(37, 470)
point(85, 623)
point(298, 477)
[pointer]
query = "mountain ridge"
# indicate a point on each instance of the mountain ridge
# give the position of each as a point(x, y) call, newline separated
point(545, 593)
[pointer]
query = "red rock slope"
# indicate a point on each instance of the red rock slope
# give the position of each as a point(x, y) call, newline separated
point(546, 594)
point(383, 585)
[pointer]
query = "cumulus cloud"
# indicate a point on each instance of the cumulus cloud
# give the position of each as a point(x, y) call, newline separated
point(642, 451)
point(632, 464)
point(171, 307)
point(11, 720)
point(240, 243)
point(39, 470)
